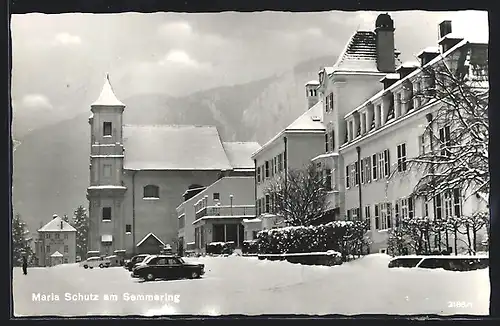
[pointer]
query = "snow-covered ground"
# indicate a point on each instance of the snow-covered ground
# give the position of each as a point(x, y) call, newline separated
point(244, 285)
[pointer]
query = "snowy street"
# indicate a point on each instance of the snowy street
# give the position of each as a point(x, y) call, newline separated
point(239, 285)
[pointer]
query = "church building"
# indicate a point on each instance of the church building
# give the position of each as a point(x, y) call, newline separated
point(138, 174)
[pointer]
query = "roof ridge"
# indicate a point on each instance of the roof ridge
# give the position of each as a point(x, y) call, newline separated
point(157, 125)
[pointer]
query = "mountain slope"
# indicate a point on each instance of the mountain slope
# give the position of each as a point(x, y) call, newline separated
point(51, 163)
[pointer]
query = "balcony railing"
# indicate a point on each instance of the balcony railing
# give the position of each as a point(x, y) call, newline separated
point(239, 210)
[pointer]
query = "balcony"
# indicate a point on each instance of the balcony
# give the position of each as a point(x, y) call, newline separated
point(333, 199)
point(226, 211)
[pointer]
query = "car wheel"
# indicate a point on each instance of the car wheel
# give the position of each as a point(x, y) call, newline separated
point(101, 265)
point(195, 274)
point(150, 277)
point(85, 266)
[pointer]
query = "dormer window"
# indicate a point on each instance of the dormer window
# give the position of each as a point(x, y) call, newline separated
point(151, 192)
point(107, 128)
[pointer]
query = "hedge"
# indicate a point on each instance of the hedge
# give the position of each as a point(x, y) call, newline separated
point(346, 237)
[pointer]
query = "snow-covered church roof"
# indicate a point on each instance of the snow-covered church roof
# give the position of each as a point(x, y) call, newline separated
point(57, 224)
point(107, 96)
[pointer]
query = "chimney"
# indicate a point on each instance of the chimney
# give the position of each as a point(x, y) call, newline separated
point(62, 226)
point(54, 216)
point(446, 38)
point(384, 36)
point(312, 93)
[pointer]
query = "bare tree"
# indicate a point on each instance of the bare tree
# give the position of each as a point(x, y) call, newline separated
point(457, 133)
point(299, 196)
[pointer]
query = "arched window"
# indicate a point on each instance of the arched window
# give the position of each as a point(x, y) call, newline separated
point(151, 191)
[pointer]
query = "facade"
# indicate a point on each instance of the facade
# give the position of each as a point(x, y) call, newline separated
point(56, 243)
point(138, 173)
point(374, 122)
point(216, 213)
point(292, 148)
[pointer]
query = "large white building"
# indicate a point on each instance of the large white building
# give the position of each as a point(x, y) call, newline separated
point(371, 123)
point(374, 123)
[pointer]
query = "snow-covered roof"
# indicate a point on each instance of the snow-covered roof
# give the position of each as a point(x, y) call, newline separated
point(409, 64)
point(429, 49)
point(312, 82)
point(106, 238)
point(391, 76)
point(450, 36)
point(311, 120)
point(56, 254)
point(171, 147)
point(151, 234)
point(240, 154)
point(252, 220)
point(408, 77)
point(107, 96)
point(55, 226)
point(325, 155)
point(106, 187)
point(359, 54)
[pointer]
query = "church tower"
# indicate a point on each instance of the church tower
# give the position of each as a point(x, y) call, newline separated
point(106, 190)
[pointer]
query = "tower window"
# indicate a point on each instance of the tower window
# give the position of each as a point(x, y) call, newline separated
point(107, 128)
point(216, 196)
point(106, 214)
point(128, 228)
point(151, 191)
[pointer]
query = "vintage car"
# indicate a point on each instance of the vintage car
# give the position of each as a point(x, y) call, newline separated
point(451, 263)
point(167, 267)
point(129, 264)
point(92, 262)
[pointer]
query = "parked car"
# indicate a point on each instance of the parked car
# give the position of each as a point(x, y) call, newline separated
point(114, 261)
point(167, 267)
point(92, 262)
point(129, 264)
point(450, 263)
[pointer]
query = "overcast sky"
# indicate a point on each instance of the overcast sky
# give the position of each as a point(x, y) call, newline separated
point(59, 60)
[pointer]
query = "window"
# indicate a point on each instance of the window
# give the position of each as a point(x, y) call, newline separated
point(438, 213)
point(387, 161)
point(128, 228)
point(377, 217)
point(356, 172)
point(368, 217)
point(327, 107)
point(331, 102)
point(259, 210)
point(381, 164)
point(404, 208)
point(66, 249)
point(367, 167)
point(267, 203)
point(374, 166)
point(66, 260)
point(401, 149)
point(421, 143)
point(267, 169)
point(47, 248)
point(352, 168)
point(332, 140)
point(106, 170)
point(362, 170)
point(347, 177)
point(106, 214)
point(280, 162)
point(107, 128)
point(444, 139)
point(57, 235)
point(397, 212)
point(328, 179)
point(426, 209)
point(258, 174)
point(448, 204)
point(216, 196)
point(355, 214)
point(65, 236)
point(418, 97)
point(47, 236)
point(151, 191)
point(181, 222)
point(411, 210)
point(457, 208)
point(327, 143)
point(349, 215)
point(385, 214)
point(398, 104)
